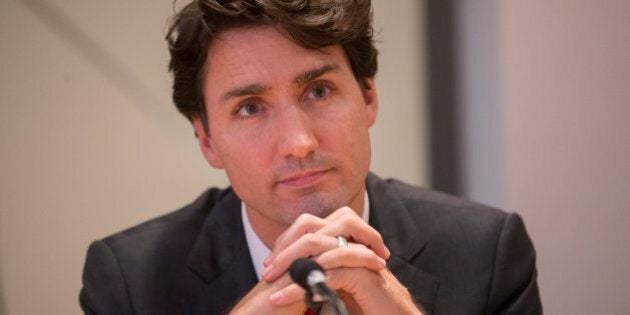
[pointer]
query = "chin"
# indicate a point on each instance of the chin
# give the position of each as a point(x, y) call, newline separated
point(319, 204)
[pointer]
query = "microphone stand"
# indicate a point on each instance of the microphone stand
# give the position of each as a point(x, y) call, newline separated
point(310, 276)
point(322, 293)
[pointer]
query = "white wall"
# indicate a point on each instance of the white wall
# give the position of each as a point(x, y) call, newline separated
point(544, 111)
point(91, 143)
point(565, 79)
point(400, 133)
point(563, 144)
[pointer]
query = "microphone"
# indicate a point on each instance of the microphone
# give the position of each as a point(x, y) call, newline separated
point(310, 275)
point(306, 273)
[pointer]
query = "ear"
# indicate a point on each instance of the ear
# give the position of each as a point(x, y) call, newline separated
point(206, 144)
point(370, 98)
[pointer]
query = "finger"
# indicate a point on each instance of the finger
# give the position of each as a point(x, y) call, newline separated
point(354, 228)
point(308, 245)
point(340, 212)
point(256, 301)
point(287, 295)
point(355, 255)
point(305, 223)
point(378, 292)
point(349, 279)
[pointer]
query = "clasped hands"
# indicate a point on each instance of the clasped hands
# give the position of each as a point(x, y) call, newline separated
point(357, 272)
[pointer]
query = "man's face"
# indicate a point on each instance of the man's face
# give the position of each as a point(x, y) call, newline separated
point(289, 125)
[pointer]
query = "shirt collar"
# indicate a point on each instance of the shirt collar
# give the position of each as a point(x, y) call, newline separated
point(259, 251)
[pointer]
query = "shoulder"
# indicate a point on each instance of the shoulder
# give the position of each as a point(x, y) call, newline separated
point(436, 210)
point(175, 229)
point(137, 265)
point(482, 256)
point(452, 228)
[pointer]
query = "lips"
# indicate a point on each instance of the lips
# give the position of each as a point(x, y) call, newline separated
point(305, 178)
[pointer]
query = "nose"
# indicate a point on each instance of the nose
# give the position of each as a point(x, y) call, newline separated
point(296, 133)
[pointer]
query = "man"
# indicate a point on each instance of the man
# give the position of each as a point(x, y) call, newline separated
point(281, 95)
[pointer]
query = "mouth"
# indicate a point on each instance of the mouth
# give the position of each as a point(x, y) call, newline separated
point(303, 179)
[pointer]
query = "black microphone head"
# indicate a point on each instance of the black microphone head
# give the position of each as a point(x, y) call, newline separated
point(301, 268)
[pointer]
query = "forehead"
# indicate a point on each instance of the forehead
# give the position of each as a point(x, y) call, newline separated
point(262, 54)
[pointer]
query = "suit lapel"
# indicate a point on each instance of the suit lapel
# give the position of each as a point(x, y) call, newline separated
point(405, 237)
point(220, 266)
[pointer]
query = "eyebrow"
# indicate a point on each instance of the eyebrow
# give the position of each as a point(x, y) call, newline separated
point(311, 75)
point(251, 89)
point(301, 79)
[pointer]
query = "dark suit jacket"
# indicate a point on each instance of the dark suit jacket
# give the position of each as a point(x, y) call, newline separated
point(455, 257)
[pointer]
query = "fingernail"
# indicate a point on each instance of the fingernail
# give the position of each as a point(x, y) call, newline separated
point(382, 263)
point(387, 252)
point(267, 271)
point(266, 261)
point(276, 297)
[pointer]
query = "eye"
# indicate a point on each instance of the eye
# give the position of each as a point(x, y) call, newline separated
point(248, 109)
point(318, 92)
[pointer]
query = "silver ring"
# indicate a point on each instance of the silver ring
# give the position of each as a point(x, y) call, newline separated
point(342, 242)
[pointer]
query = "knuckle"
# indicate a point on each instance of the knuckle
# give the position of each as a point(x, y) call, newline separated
point(360, 247)
point(347, 210)
point(302, 218)
point(310, 239)
point(347, 218)
point(367, 254)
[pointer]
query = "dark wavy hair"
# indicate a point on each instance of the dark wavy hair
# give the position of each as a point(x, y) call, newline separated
point(311, 24)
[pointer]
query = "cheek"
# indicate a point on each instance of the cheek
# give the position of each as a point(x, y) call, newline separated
point(241, 154)
point(246, 175)
point(243, 157)
point(347, 135)
point(348, 123)
point(236, 141)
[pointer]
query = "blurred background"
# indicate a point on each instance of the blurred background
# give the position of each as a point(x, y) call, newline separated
point(517, 104)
